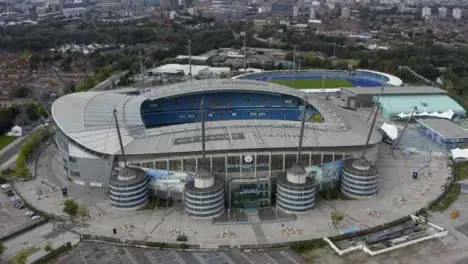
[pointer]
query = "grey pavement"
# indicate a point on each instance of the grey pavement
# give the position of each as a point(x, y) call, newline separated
point(38, 238)
point(159, 225)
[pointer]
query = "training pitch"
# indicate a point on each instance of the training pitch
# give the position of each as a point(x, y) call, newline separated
point(314, 84)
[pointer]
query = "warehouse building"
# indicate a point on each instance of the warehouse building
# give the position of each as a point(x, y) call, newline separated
point(357, 97)
point(448, 134)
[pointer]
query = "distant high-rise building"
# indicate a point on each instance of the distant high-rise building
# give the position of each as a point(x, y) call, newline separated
point(345, 12)
point(457, 13)
point(442, 12)
point(295, 11)
point(167, 4)
point(426, 11)
point(312, 14)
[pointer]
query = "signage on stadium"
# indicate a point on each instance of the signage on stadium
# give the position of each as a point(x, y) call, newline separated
point(214, 137)
point(276, 135)
point(247, 166)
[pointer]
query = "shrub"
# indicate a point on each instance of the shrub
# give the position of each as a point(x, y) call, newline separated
point(48, 247)
point(183, 246)
point(70, 207)
point(2, 248)
point(304, 246)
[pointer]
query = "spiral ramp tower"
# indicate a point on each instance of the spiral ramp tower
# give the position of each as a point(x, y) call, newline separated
point(128, 189)
point(204, 197)
point(295, 191)
point(359, 179)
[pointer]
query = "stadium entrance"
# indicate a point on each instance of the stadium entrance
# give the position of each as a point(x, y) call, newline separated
point(249, 195)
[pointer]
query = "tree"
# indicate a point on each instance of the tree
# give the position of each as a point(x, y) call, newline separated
point(317, 118)
point(336, 219)
point(32, 112)
point(7, 117)
point(21, 92)
point(2, 248)
point(70, 207)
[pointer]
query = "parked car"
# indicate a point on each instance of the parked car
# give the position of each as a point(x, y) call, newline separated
point(28, 213)
point(35, 217)
point(5, 186)
point(10, 193)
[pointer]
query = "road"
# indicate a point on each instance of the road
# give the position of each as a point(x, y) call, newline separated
point(13, 148)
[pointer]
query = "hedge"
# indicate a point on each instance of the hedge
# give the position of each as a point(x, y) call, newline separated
point(26, 150)
point(53, 254)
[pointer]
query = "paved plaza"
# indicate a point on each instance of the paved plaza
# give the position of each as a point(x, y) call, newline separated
point(451, 249)
point(97, 253)
point(159, 225)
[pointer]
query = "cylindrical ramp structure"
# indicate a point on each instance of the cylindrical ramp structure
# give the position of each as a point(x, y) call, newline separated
point(295, 191)
point(128, 189)
point(204, 197)
point(359, 179)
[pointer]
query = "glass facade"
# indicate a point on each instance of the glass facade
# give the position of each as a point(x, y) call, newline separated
point(250, 178)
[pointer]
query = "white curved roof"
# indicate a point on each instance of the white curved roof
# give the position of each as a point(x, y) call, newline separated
point(392, 79)
point(87, 119)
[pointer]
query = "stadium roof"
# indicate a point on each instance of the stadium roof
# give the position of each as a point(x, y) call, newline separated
point(402, 90)
point(393, 105)
point(444, 127)
point(87, 119)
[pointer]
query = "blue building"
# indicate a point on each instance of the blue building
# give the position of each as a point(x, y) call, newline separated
point(446, 133)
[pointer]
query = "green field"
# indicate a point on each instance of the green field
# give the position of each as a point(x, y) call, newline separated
point(314, 83)
point(5, 140)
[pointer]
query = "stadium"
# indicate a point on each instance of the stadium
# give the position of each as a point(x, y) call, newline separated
point(318, 79)
point(251, 137)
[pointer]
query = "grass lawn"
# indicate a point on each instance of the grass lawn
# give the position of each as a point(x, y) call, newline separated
point(314, 84)
point(5, 140)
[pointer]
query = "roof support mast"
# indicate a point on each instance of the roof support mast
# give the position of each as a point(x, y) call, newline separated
point(120, 138)
point(202, 112)
point(301, 135)
point(398, 139)
point(190, 57)
point(372, 126)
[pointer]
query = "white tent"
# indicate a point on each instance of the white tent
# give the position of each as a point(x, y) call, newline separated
point(459, 153)
point(15, 131)
point(447, 114)
point(390, 130)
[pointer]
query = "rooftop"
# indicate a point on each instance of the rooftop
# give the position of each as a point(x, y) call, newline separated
point(444, 127)
point(389, 90)
point(396, 104)
point(87, 119)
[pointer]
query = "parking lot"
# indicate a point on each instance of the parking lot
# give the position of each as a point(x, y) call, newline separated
point(95, 252)
point(12, 219)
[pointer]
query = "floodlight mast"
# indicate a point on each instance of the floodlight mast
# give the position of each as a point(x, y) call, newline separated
point(120, 137)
